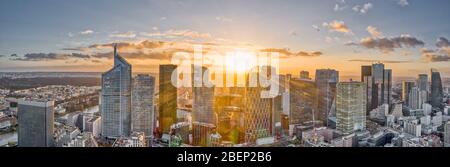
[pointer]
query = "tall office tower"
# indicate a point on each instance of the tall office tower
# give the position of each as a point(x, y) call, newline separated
point(366, 77)
point(258, 111)
point(326, 80)
point(142, 114)
point(436, 89)
point(203, 100)
point(447, 134)
point(378, 84)
point(167, 98)
point(387, 83)
point(303, 101)
point(365, 72)
point(350, 107)
point(406, 89)
point(200, 133)
point(304, 75)
point(116, 98)
point(414, 101)
point(422, 82)
point(35, 119)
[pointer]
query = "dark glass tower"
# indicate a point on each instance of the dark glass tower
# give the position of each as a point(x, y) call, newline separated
point(436, 89)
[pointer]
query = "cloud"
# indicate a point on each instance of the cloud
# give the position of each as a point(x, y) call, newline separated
point(49, 56)
point(337, 26)
point(177, 33)
point(163, 18)
point(129, 34)
point(389, 44)
point(70, 34)
point(316, 27)
point(373, 31)
point(337, 8)
point(403, 3)
point(441, 54)
point(362, 9)
point(224, 19)
point(286, 53)
point(442, 42)
point(154, 28)
point(87, 32)
point(129, 46)
point(382, 61)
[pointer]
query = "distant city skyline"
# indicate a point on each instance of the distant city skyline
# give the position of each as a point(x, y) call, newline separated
point(341, 35)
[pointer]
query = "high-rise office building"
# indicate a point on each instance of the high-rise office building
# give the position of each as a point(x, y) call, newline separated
point(116, 98)
point(378, 84)
point(142, 114)
point(35, 119)
point(436, 89)
point(406, 89)
point(326, 80)
point(366, 78)
point(422, 82)
point(387, 84)
point(447, 134)
point(304, 75)
point(365, 72)
point(303, 101)
point(414, 99)
point(350, 107)
point(258, 111)
point(203, 99)
point(167, 98)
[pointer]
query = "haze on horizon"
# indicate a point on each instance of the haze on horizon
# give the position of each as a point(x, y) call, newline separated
point(409, 36)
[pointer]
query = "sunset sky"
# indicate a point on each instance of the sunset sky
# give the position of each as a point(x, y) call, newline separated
point(409, 36)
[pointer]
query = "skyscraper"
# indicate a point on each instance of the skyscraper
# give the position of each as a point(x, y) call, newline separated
point(414, 99)
point(406, 89)
point(116, 98)
point(326, 80)
point(304, 75)
point(350, 107)
point(447, 134)
point(203, 100)
point(436, 89)
point(422, 82)
point(258, 112)
point(365, 72)
point(387, 86)
point(378, 84)
point(366, 78)
point(142, 114)
point(167, 98)
point(35, 119)
point(303, 101)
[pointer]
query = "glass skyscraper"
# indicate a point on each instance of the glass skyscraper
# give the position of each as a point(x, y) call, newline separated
point(142, 114)
point(167, 98)
point(350, 107)
point(326, 80)
point(35, 120)
point(116, 98)
point(436, 89)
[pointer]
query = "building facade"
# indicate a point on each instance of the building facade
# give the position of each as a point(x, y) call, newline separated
point(35, 119)
point(142, 114)
point(116, 99)
point(350, 107)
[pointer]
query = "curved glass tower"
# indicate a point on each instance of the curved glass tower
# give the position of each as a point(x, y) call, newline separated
point(116, 99)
